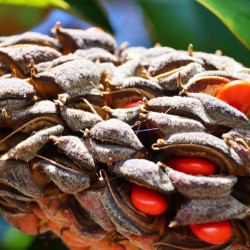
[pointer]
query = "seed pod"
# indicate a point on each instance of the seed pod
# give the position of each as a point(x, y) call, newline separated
point(18, 175)
point(79, 222)
point(20, 205)
point(145, 173)
point(240, 141)
point(193, 83)
point(107, 71)
point(90, 200)
point(148, 88)
point(213, 61)
point(96, 54)
point(125, 218)
point(170, 61)
point(34, 38)
point(43, 66)
point(73, 39)
point(130, 115)
point(129, 68)
point(71, 77)
point(199, 144)
point(28, 149)
point(169, 82)
point(205, 210)
point(76, 150)
point(132, 53)
point(67, 180)
point(8, 191)
point(170, 124)
point(78, 119)
point(150, 54)
point(91, 102)
point(18, 57)
point(44, 112)
point(15, 94)
point(182, 106)
point(222, 113)
point(201, 187)
point(117, 132)
point(131, 89)
point(180, 237)
point(105, 153)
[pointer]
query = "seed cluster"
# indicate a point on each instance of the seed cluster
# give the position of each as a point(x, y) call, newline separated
point(71, 153)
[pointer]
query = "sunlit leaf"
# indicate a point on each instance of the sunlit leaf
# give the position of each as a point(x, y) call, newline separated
point(235, 14)
point(38, 3)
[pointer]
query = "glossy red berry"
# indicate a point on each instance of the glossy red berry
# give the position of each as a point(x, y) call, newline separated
point(191, 165)
point(237, 94)
point(213, 232)
point(94, 29)
point(132, 105)
point(148, 201)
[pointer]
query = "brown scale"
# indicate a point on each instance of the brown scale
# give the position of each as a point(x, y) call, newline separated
point(73, 39)
point(18, 57)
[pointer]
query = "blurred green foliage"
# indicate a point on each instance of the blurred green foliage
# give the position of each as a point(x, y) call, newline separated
point(174, 23)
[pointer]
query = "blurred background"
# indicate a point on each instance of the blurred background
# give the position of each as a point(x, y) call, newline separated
point(174, 23)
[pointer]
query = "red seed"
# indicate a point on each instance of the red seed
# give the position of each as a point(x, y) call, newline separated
point(213, 232)
point(132, 105)
point(237, 94)
point(148, 201)
point(191, 165)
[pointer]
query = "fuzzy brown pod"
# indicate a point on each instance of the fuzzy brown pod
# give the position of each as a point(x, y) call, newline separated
point(200, 144)
point(76, 150)
point(97, 54)
point(68, 180)
point(169, 62)
point(40, 114)
point(28, 149)
point(31, 38)
point(143, 172)
point(18, 57)
point(171, 124)
point(78, 119)
point(131, 89)
point(73, 39)
point(15, 94)
point(125, 218)
point(117, 132)
point(211, 81)
point(19, 176)
point(73, 77)
point(43, 66)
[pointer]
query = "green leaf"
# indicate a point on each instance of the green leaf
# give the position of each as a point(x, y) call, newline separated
point(89, 10)
point(235, 14)
point(38, 3)
point(15, 240)
point(177, 23)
